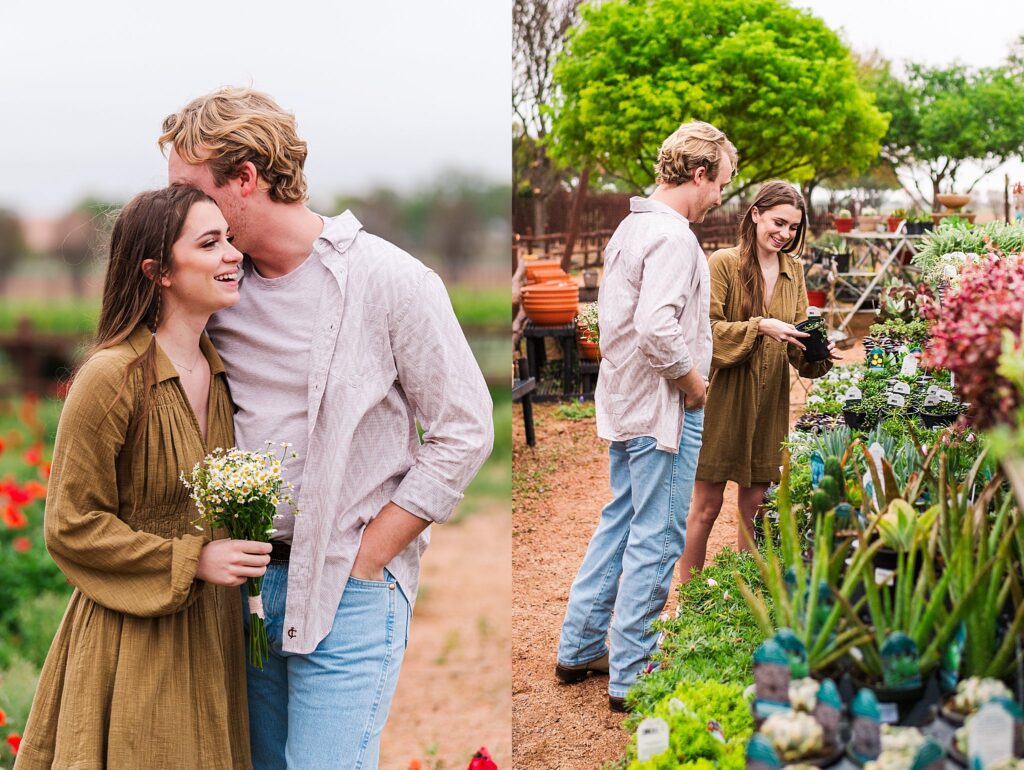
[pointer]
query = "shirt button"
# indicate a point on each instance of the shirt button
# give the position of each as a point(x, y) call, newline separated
point(391, 586)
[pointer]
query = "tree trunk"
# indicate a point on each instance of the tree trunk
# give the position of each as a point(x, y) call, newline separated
point(539, 225)
point(574, 221)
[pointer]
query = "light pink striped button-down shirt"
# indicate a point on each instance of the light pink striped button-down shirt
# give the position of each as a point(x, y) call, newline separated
point(387, 351)
point(654, 314)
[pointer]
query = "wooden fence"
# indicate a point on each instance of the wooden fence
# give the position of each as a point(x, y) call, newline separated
point(601, 214)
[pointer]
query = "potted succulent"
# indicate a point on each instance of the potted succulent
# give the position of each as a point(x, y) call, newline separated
point(896, 218)
point(919, 222)
point(815, 346)
point(869, 219)
point(830, 247)
point(940, 414)
point(843, 221)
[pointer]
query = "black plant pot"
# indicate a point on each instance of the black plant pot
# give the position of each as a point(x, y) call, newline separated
point(927, 227)
point(855, 419)
point(937, 420)
point(816, 346)
point(915, 706)
point(842, 262)
point(913, 228)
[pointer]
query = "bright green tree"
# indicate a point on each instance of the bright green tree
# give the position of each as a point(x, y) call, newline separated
point(946, 120)
point(778, 81)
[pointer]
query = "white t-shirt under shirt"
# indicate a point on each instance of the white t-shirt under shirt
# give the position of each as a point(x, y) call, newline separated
point(272, 322)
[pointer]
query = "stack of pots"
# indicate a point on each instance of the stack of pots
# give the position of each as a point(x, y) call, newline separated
point(551, 303)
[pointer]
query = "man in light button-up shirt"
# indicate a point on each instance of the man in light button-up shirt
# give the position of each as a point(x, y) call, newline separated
point(340, 343)
point(655, 329)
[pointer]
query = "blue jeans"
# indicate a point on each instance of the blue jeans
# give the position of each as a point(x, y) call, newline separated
point(327, 709)
point(639, 538)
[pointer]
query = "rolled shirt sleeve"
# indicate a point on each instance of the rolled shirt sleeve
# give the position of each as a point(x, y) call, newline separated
point(665, 266)
point(444, 384)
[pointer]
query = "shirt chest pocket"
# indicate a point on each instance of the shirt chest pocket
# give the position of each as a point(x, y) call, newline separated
point(367, 357)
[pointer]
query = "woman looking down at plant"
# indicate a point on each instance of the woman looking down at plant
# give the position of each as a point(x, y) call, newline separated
point(757, 297)
point(148, 666)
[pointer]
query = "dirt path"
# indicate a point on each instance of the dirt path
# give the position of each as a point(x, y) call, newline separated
point(454, 693)
point(558, 490)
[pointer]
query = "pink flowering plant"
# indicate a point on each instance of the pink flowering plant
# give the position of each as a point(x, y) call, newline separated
point(967, 331)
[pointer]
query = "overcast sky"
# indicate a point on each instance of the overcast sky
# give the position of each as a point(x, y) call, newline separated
point(935, 32)
point(388, 92)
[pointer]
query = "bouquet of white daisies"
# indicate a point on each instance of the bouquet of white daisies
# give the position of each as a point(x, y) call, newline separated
point(239, 491)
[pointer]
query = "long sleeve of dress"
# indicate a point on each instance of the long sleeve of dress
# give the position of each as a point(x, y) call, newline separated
point(137, 573)
point(796, 355)
point(734, 341)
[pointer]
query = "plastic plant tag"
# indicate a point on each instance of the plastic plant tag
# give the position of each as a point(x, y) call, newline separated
point(675, 705)
point(932, 390)
point(900, 387)
point(931, 400)
point(944, 395)
point(854, 392)
point(896, 399)
point(909, 367)
point(876, 359)
point(903, 350)
point(817, 469)
point(989, 736)
point(651, 738)
point(877, 454)
point(888, 713)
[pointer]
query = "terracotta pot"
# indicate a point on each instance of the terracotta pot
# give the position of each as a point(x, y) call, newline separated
point(551, 317)
point(541, 264)
point(868, 222)
point(589, 351)
point(844, 225)
point(952, 201)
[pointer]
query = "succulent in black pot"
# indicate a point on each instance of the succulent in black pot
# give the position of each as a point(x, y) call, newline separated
point(816, 345)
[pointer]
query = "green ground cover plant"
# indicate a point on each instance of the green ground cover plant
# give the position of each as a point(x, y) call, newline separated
point(713, 638)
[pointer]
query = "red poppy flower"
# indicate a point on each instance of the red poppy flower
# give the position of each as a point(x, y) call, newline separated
point(21, 545)
point(14, 518)
point(16, 494)
point(3, 717)
point(35, 489)
point(34, 455)
point(14, 741)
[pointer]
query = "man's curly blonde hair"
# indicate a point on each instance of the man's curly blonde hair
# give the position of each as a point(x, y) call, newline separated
point(692, 146)
point(230, 126)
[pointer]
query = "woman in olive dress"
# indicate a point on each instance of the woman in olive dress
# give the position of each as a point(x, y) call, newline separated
point(757, 298)
point(147, 669)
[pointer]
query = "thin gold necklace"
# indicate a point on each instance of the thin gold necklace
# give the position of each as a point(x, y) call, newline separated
point(182, 366)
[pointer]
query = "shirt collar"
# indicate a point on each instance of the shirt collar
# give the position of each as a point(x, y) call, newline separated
point(142, 337)
point(640, 205)
point(338, 234)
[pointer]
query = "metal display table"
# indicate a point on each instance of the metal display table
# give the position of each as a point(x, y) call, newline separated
point(872, 256)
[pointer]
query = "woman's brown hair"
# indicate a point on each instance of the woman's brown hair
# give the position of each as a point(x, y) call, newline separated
point(147, 228)
point(751, 280)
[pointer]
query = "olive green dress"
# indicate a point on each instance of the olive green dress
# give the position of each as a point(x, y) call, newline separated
point(746, 416)
point(147, 669)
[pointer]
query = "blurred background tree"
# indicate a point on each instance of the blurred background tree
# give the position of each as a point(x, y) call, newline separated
point(946, 118)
